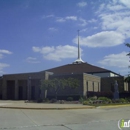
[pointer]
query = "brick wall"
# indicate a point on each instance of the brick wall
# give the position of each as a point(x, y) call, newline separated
point(91, 83)
point(21, 82)
point(107, 84)
point(68, 91)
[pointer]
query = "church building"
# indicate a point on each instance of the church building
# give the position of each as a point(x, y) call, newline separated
point(26, 86)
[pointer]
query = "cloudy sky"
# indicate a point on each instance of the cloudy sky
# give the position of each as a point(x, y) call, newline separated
point(40, 34)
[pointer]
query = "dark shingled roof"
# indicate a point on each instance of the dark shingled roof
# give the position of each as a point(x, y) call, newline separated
point(77, 68)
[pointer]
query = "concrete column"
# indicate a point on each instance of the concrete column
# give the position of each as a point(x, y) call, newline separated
point(37, 87)
point(16, 90)
point(29, 89)
point(99, 87)
point(25, 89)
point(127, 86)
point(86, 88)
point(4, 89)
point(46, 76)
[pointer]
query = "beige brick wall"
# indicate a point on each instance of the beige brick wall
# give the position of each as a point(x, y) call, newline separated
point(96, 86)
point(91, 83)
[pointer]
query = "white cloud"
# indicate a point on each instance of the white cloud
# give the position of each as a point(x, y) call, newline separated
point(124, 71)
point(71, 18)
point(1, 56)
point(35, 49)
point(101, 7)
point(43, 50)
point(84, 30)
point(57, 53)
point(48, 16)
point(2, 66)
point(3, 52)
point(102, 39)
point(32, 60)
point(82, 4)
point(115, 7)
point(52, 29)
point(118, 21)
point(116, 16)
point(95, 27)
point(83, 22)
point(74, 18)
point(125, 2)
point(116, 60)
point(60, 20)
point(92, 21)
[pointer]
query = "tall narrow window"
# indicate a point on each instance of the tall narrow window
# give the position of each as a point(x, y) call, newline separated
point(93, 86)
point(87, 86)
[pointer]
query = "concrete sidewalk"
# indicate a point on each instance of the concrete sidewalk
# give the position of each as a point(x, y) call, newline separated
point(40, 106)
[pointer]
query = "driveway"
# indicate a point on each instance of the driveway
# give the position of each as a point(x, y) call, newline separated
point(78, 119)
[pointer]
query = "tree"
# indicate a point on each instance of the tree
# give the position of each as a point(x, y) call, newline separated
point(127, 44)
point(58, 83)
point(45, 85)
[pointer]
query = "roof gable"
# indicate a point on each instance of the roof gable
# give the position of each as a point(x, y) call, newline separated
point(77, 68)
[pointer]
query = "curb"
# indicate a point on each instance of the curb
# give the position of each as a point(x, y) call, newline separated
point(113, 106)
point(64, 108)
point(69, 108)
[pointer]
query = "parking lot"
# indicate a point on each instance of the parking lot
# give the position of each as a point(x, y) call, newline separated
point(73, 119)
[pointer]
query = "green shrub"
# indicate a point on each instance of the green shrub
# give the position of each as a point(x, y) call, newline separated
point(92, 98)
point(128, 99)
point(70, 99)
point(105, 99)
point(122, 100)
point(82, 99)
point(85, 102)
point(115, 101)
point(90, 101)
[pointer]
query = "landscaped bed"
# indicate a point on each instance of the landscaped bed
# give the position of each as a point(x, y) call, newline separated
point(104, 101)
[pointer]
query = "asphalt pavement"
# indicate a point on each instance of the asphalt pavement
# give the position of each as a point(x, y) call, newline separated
point(64, 119)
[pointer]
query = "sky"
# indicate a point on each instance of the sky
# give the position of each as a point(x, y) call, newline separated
point(36, 35)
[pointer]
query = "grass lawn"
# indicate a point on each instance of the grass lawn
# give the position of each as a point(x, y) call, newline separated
point(110, 104)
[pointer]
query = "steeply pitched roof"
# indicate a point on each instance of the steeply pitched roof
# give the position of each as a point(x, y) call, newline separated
point(77, 68)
